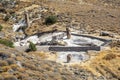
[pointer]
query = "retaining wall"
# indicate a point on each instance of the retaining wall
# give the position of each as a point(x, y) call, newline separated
point(106, 42)
point(61, 48)
point(76, 49)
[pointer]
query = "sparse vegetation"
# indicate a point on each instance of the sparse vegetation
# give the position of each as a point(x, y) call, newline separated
point(10, 61)
point(10, 77)
point(6, 42)
point(50, 20)
point(8, 3)
point(4, 55)
point(109, 56)
point(3, 63)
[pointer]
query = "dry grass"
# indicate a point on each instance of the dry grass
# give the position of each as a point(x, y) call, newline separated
point(109, 57)
point(105, 62)
point(3, 63)
point(6, 68)
point(45, 55)
point(10, 77)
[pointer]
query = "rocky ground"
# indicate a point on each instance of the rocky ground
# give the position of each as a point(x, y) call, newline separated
point(89, 15)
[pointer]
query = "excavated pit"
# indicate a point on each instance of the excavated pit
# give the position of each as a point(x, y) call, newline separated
point(77, 45)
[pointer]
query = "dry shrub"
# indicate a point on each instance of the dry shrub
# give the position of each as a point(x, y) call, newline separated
point(47, 67)
point(6, 68)
point(42, 55)
point(10, 61)
point(28, 65)
point(14, 66)
point(22, 76)
point(119, 68)
point(109, 57)
point(4, 55)
point(1, 77)
point(10, 77)
point(3, 63)
point(118, 55)
point(18, 58)
point(21, 69)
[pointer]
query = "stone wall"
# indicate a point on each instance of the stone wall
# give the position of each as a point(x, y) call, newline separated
point(106, 42)
point(61, 48)
point(76, 49)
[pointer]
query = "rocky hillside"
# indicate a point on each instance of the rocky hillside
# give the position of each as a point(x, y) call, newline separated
point(89, 15)
point(24, 66)
point(106, 63)
point(15, 65)
point(112, 3)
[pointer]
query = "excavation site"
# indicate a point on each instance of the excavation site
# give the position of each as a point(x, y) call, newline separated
point(59, 39)
point(64, 44)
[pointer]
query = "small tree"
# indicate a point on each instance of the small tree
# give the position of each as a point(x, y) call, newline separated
point(32, 46)
point(1, 27)
point(50, 20)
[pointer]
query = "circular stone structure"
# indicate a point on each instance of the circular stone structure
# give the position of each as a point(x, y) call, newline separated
point(77, 46)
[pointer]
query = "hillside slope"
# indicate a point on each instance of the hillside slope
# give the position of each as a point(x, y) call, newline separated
point(24, 66)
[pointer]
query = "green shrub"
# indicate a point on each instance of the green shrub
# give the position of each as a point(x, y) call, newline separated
point(32, 47)
point(50, 20)
point(6, 43)
point(1, 27)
